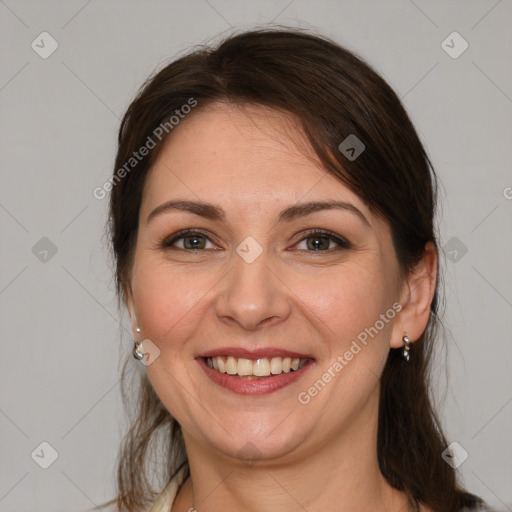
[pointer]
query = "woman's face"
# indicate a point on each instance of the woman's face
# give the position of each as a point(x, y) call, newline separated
point(256, 275)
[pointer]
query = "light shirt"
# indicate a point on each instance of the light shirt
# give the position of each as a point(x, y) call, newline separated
point(166, 498)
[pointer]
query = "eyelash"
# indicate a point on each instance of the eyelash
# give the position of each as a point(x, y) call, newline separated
point(342, 243)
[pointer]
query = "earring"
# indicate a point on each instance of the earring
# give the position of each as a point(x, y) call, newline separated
point(407, 348)
point(138, 352)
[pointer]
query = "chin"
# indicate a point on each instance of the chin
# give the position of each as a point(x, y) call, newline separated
point(254, 444)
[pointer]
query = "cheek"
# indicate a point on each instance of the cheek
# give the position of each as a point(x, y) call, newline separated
point(346, 301)
point(168, 302)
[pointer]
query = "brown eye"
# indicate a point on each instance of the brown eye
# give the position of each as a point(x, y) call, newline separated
point(188, 240)
point(194, 242)
point(321, 241)
point(318, 243)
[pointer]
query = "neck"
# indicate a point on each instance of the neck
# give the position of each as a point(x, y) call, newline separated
point(344, 471)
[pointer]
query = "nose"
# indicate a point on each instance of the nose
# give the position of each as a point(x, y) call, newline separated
point(253, 295)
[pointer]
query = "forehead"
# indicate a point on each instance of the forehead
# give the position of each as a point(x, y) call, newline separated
point(230, 152)
point(238, 139)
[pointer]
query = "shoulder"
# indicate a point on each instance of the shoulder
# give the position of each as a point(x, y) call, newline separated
point(482, 507)
point(163, 502)
point(478, 508)
point(110, 506)
point(167, 497)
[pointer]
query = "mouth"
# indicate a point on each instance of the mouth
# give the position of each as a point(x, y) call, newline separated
point(260, 368)
point(248, 373)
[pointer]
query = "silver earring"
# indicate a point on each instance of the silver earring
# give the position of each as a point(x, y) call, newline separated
point(138, 352)
point(407, 348)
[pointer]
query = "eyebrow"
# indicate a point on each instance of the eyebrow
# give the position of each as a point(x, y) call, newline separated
point(213, 212)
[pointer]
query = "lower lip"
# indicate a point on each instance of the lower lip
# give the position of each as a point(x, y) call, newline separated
point(253, 386)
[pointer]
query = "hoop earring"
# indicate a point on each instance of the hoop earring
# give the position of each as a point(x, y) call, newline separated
point(138, 352)
point(407, 348)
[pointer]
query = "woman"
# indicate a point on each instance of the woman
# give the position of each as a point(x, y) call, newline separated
point(271, 220)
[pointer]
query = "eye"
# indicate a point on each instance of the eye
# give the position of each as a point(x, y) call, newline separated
point(322, 241)
point(188, 240)
point(314, 241)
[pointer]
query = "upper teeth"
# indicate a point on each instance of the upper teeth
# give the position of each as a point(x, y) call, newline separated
point(260, 367)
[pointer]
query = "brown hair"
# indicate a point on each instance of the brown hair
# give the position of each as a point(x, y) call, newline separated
point(333, 94)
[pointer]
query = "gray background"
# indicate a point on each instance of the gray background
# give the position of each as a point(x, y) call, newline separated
point(59, 370)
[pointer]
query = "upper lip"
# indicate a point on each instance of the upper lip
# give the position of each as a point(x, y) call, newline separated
point(254, 354)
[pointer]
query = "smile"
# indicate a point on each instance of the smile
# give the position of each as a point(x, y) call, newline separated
point(259, 368)
point(259, 376)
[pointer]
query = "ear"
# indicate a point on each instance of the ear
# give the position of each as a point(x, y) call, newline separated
point(415, 298)
point(131, 309)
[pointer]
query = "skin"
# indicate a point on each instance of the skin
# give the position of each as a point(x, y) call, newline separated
point(302, 457)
